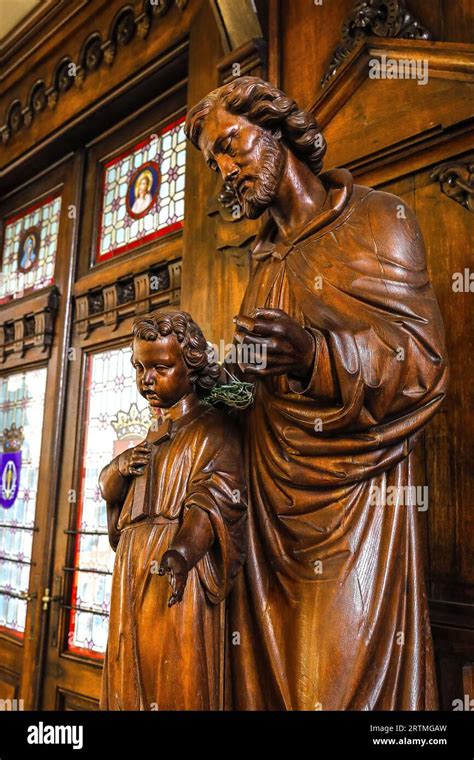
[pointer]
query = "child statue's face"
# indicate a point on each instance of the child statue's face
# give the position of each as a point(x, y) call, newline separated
point(162, 376)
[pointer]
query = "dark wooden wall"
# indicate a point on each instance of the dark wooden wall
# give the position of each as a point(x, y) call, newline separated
point(391, 134)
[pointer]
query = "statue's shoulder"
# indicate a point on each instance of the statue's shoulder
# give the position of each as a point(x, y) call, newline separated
point(393, 226)
point(219, 432)
point(218, 419)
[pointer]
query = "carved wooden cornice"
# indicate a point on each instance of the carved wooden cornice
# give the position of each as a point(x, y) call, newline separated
point(111, 303)
point(445, 60)
point(379, 18)
point(28, 324)
point(456, 180)
point(95, 52)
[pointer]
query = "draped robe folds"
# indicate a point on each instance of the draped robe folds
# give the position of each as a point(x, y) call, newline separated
point(161, 658)
point(331, 607)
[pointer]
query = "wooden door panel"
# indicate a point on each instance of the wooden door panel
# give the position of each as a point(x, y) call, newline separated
point(443, 456)
point(41, 324)
point(448, 231)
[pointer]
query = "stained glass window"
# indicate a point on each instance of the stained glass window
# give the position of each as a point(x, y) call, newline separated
point(143, 192)
point(29, 249)
point(117, 417)
point(21, 420)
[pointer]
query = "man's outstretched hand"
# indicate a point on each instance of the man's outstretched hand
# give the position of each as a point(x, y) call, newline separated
point(289, 347)
point(174, 564)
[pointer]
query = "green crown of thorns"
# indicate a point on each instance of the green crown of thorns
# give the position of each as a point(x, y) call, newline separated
point(236, 394)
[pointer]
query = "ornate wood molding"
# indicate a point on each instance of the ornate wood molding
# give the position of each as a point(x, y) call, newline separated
point(456, 180)
point(445, 60)
point(381, 18)
point(28, 324)
point(109, 304)
point(95, 52)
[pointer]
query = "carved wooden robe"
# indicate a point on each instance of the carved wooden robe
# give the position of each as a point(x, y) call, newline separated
point(331, 606)
point(161, 658)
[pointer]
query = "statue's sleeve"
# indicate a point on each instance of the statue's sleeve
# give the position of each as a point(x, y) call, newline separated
point(114, 488)
point(216, 485)
point(377, 329)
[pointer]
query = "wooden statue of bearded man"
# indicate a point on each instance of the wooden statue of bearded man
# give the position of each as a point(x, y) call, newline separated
point(331, 609)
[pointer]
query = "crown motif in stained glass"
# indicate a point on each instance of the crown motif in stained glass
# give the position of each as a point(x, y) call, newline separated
point(129, 425)
point(12, 438)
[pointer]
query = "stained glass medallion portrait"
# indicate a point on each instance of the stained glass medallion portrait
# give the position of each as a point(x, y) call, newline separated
point(21, 421)
point(30, 244)
point(117, 417)
point(143, 192)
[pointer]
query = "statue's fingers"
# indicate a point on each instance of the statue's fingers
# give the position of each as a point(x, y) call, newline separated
point(273, 314)
point(244, 322)
point(139, 461)
point(135, 470)
point(255, 340)
point(263, 328)
point(254, 369)
point(143, 446)
point(177, 595)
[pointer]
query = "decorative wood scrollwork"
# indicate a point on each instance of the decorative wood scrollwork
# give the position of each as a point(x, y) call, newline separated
point(382, 18)
point(125, 28)
point(135, 294)
point(456, 179)
point(38, 99)
point(32, 328)
point(94, 54)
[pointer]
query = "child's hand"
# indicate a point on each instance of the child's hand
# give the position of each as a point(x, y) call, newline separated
point(133, 461)
point(175, 565)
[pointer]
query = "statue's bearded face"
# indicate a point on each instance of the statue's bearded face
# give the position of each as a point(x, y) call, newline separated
point(248, 157)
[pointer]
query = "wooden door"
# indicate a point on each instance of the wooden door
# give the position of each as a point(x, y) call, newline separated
point(37, 244)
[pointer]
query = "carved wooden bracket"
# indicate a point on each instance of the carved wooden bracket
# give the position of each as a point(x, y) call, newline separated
point(95, 52)
point(456, 179)
point(28, 324)
point(132, 295)
point(381, 18)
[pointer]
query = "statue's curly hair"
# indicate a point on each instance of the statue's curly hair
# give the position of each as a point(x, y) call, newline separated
point(195, 350)
point(263, 104)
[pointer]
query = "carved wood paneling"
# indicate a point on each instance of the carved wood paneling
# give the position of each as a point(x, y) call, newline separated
point(109, 304)
point(456, 180)
point(96, 51)
point(29, 325)
point(69, 700)
point(382, 18)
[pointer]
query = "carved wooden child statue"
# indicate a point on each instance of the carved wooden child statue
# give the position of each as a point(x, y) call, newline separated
point(175, 506)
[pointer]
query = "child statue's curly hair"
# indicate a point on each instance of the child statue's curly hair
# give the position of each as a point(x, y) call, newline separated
point(196, 354)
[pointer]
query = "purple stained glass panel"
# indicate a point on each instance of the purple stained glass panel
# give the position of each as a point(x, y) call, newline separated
point(21, 403)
